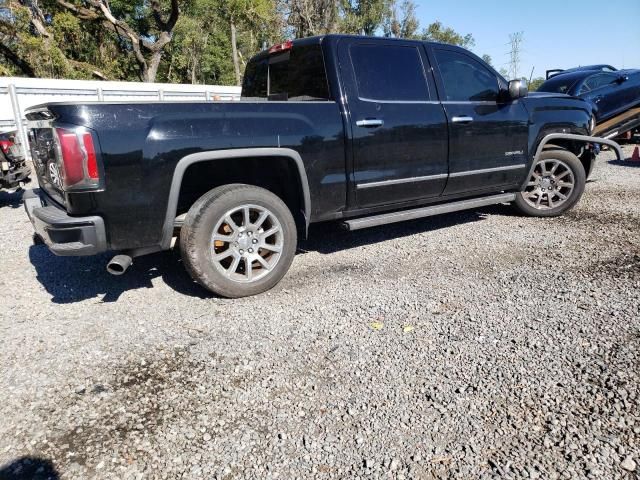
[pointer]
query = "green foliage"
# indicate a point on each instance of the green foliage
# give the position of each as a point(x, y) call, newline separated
point(200, 51)
point(363, 17)
point(535, 83)
point(66, 29)
point(72, 39)
point(437, 32)
point(401, 21)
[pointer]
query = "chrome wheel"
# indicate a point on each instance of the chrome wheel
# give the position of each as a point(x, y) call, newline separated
point(550, 185)
point(247, 243)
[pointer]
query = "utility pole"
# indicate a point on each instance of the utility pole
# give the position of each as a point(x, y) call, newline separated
point(515, 40)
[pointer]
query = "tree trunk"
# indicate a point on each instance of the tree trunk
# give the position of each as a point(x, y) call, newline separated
point(193, 69)
point(151, 71)
point(234, 50)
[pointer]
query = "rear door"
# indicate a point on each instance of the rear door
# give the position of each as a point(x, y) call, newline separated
point(399, 129)
point(488, 136)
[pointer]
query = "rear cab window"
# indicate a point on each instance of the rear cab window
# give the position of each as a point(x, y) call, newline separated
point(296, 73)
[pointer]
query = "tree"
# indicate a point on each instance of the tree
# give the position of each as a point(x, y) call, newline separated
point(146, 27)
point(313, 17)
point(401, 22)
point(183, 41)
point(487, 59)
point(363, 16)
point(248, 14)
point(437, 32)
point(535, 83)
point(72, 38)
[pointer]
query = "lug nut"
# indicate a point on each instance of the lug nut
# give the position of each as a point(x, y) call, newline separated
point(255, 240)
point(241, 251)
point(251, 250)
point(249, 233)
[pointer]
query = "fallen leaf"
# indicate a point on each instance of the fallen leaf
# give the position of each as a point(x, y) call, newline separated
point(407, 328)
point(444, 459)
point(377, 325)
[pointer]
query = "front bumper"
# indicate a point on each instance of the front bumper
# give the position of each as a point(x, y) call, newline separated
point(63, 234)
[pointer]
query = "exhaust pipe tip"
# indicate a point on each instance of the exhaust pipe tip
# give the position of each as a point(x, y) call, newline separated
point(119, 264)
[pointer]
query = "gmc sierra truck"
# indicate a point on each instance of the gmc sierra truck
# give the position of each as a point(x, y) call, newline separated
point(364, 131)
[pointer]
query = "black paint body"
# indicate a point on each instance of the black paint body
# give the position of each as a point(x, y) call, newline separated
point(140, 145)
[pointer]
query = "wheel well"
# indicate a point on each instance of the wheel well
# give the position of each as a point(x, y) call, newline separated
point(279, 175)
point(586, 156)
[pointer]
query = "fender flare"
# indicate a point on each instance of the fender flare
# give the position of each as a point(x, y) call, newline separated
point(186, 162)
point(573, 137)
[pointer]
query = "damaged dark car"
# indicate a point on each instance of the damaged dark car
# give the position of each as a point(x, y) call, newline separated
point(609, 92)
point(13, 166)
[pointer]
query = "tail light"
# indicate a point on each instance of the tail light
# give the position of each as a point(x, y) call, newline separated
point(5, 145)
point(77, 159)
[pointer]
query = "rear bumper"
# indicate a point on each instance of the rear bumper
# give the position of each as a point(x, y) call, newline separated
point(63, 234)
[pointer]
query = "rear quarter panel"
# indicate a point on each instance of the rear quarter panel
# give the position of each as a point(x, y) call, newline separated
point(142, 143)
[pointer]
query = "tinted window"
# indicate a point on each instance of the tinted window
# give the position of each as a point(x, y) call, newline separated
point(298, 74)
point(389, 72)
point(464, 78)
point(597, 81)
point(255, 79)
point(560, 84)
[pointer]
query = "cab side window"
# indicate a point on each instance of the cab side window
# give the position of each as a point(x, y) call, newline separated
point(389, 73)
point(465, 79)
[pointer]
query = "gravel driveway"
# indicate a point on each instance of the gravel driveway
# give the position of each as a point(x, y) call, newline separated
point(472, 345)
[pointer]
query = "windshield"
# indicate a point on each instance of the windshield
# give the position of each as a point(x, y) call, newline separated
point(297, 75)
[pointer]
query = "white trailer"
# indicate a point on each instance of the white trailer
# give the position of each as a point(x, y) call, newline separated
point(18, 94)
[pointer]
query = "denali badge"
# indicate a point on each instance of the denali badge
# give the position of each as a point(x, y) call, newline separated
point(513, 154)
point(54, 175)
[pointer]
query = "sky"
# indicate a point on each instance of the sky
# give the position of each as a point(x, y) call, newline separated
point(557, 34)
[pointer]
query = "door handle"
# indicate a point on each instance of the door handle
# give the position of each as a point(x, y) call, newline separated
point(462, 119)
point(598, 98)
point(370, 123)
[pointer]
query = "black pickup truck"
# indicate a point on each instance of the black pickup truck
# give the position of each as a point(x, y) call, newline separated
point(364, 131)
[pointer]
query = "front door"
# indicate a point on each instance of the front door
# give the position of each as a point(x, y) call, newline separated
point(399, 130)
point(488, 136)
point(605, 92)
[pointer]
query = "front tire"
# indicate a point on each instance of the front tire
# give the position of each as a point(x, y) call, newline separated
point(555, 186)
point(238, 240)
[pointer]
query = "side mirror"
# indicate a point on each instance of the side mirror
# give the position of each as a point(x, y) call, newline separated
point(517, 89)
point(622, 78)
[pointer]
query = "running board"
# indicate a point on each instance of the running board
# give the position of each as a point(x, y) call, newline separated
point(394, 217)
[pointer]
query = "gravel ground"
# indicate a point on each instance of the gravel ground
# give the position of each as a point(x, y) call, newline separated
point(472, 345)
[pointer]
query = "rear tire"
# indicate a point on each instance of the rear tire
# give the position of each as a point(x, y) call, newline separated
point(238, 240)
point(555, 186)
